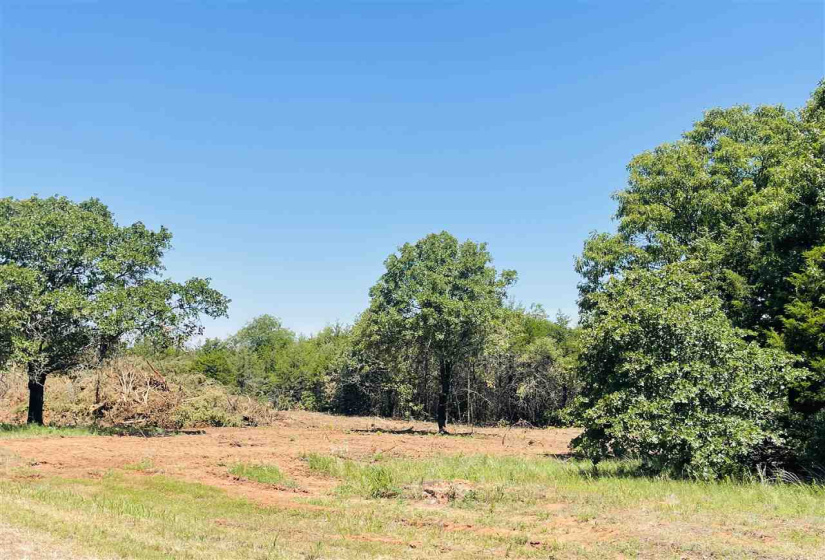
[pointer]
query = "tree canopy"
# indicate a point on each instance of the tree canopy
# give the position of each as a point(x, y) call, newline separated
point(440, 296)
point(738, 203)
point(74, 284)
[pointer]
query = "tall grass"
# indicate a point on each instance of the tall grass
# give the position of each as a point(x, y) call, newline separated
point(612, 484)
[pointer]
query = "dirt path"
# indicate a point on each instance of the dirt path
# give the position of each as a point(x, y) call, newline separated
point(205, 455)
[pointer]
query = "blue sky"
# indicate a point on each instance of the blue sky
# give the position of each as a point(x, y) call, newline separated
point(291, 146)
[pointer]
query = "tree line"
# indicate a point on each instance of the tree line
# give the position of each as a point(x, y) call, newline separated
point(526, 372)
point(700, 346)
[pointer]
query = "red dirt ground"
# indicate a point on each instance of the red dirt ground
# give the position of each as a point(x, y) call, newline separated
point(204, 456)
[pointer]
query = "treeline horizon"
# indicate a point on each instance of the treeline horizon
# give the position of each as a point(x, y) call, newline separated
point(527, 374)
point(700, 347)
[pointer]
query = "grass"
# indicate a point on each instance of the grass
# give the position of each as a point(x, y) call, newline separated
point(8, 431)
point(11, 431)
point(144, 465)
point(485, 506)
point(157, 517)
point(265, 474)
point(528, 480)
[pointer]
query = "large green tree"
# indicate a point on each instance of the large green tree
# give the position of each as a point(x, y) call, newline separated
point(741, 199)
point(74, 285)
point(441, 297)
point(743, 193)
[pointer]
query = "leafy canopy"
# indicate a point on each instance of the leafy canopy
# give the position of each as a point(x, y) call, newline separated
point(73, 283)
point(438, 294)
point(734, 214)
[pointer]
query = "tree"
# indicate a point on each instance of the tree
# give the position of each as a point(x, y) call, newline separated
point(741, 198)
point(214, 360)
point(742, 193)
point(440, 296)
point(670, 380)
point(804, 331)
point(76, 285)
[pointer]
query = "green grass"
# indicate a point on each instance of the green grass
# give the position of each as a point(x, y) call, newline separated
point(266, 474)
point(516, 479)
point(503, 506)
point(10, 431)
point(144, 465)
point(157, 517)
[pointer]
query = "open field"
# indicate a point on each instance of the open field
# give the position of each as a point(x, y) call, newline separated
point(316, 486)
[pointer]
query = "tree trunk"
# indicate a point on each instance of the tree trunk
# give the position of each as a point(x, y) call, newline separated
point(445, 370)
point(37, 386)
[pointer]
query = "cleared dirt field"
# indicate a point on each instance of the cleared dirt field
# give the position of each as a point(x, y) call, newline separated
point(203, 455)
point(317, 486)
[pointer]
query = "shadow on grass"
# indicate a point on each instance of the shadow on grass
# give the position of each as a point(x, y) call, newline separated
point(413, 432)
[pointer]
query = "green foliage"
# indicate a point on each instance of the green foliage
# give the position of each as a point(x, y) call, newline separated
point(668, 379)
point(265, 474)
point(439, 294)
point(804, 330)
point(438, 298)
point(214, 360)
point(735, 211)
point(533, 361)
point(75, 284)
point(741, 193)
point(268, 360)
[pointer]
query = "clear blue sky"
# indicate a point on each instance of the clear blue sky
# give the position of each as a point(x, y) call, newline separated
point(291, 146)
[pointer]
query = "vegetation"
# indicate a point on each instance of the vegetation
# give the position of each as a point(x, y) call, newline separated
point(128, 396)
point(700, 348)
point(508, 506)
point(670, 380)
point(438, 298)
point(703, 384)
point(265, 474)
point(73, 284)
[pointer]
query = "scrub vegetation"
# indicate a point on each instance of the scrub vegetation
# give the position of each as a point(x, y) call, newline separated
point(689, 392)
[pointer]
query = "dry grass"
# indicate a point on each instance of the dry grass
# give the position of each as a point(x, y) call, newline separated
point(131, 393)
point(316, 486)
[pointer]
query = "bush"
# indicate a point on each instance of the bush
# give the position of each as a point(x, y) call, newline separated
point(670, 380)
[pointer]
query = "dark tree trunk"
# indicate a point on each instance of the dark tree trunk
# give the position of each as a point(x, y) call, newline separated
point(445, 370)
point(37, 387)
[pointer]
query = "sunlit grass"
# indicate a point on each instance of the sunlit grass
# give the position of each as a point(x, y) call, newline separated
point(10, 431)
point(265, 474)
point(157, 517)
point(524, 507)
point(612, 484)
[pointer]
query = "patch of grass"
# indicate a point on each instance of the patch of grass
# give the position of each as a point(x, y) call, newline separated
point(11, 431)
point(157, 517)
point(368, 480)
point(144, 465)
point(613, 484)
point(265, 474)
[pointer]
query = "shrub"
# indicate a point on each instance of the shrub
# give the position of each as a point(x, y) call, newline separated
point(670, 380)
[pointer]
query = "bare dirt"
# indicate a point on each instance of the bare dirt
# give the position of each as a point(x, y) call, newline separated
point(204, 455)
